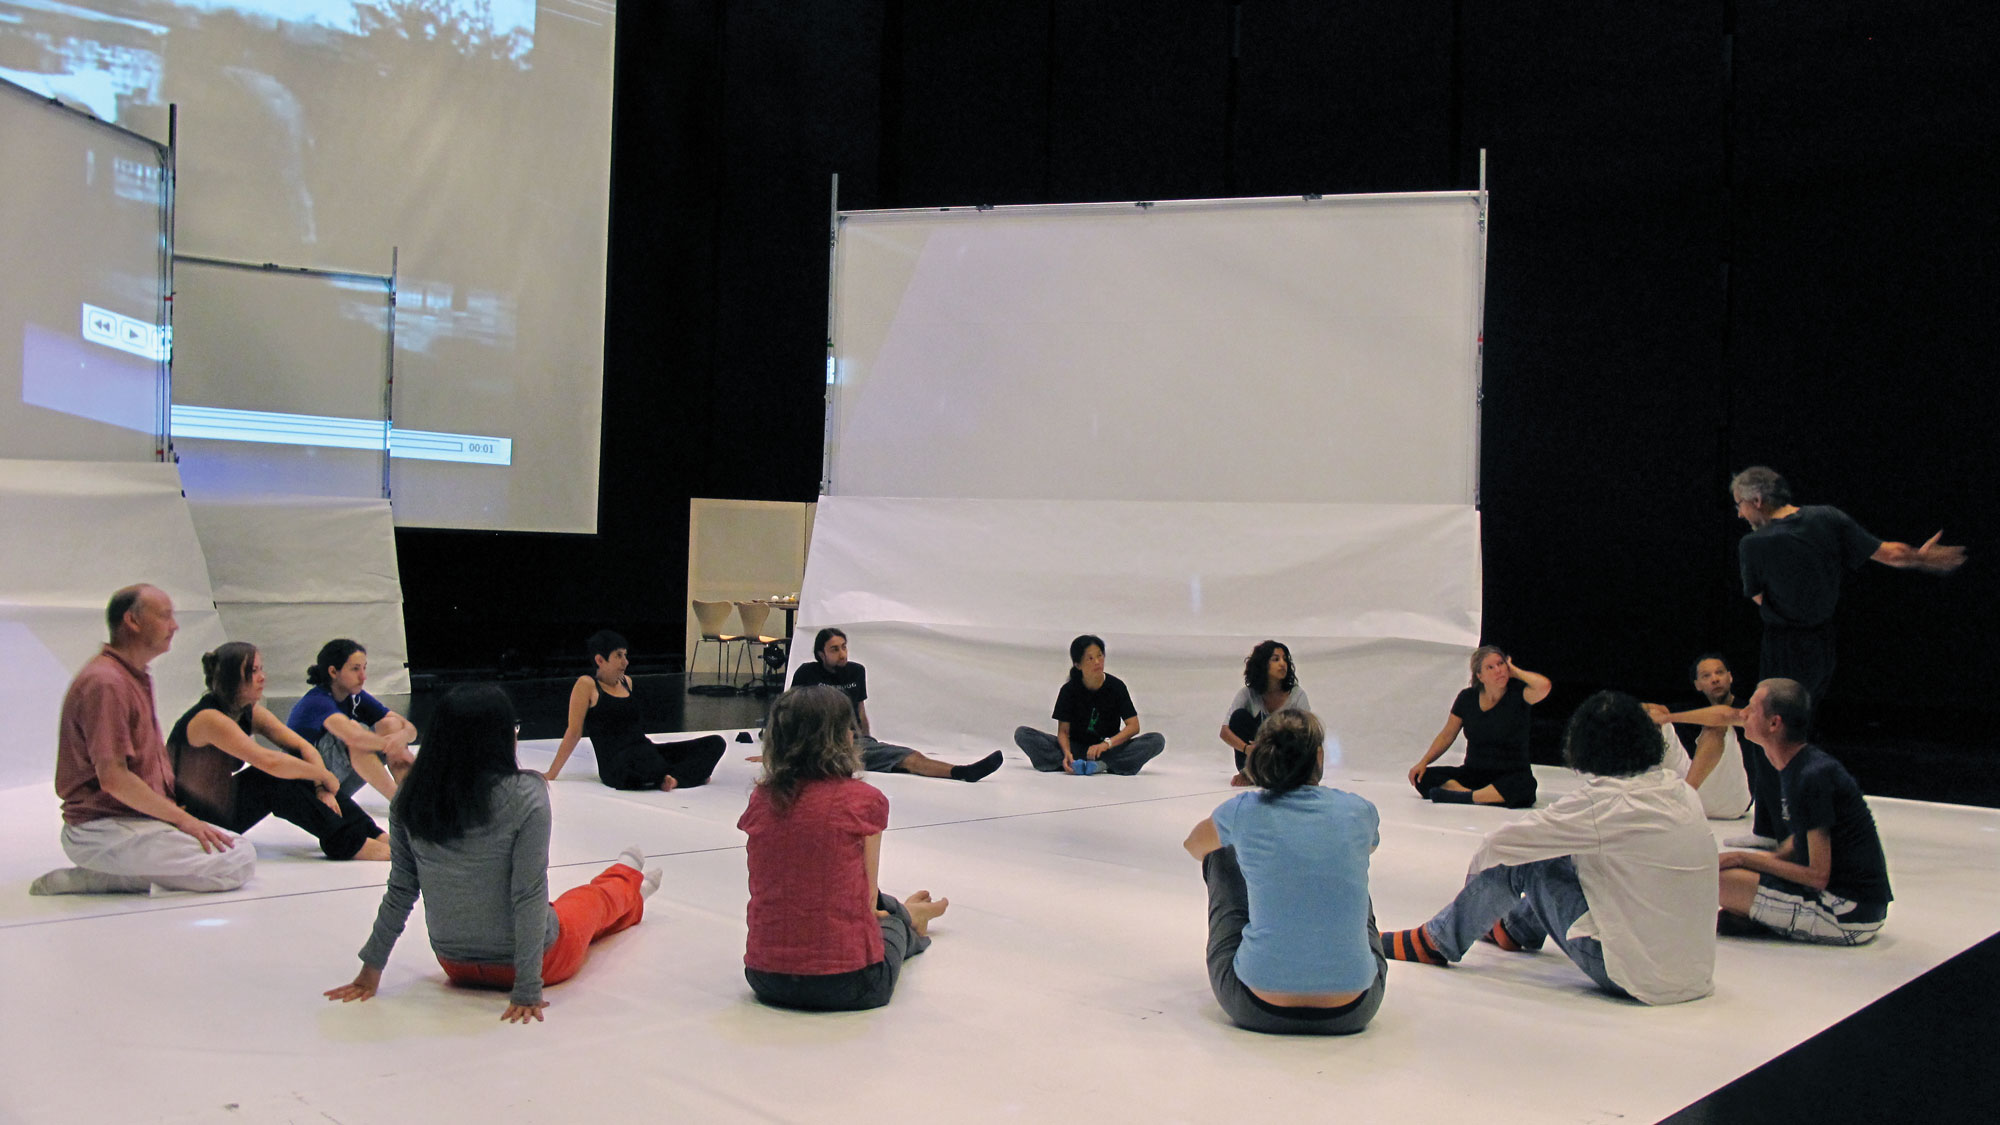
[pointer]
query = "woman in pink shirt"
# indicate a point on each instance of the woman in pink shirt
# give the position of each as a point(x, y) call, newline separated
point(822, 936)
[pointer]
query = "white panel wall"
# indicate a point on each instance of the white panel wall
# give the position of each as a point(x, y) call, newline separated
point(78, 530)
point(1251, 350)
point(293, 572)
point(962, 611)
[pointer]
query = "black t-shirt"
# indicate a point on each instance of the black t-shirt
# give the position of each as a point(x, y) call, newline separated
point(1093, 716)
point(850, 678)
point(1797, 563)
point(1496, 739)
point(1819, 793)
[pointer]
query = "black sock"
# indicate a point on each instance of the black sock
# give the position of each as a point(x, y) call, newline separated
point(973, 771)
point(1444, 796)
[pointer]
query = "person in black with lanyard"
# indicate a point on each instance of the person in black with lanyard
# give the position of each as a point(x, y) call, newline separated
point(1097, 727)
point(831, 667)
point(603, 708)
point(1493, 712)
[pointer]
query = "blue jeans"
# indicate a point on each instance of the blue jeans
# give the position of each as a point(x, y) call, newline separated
point(1535, 901)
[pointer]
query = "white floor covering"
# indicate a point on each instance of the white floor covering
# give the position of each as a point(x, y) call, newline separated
point(1066, 983)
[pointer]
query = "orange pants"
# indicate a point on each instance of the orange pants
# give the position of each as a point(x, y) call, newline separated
point(605, 905)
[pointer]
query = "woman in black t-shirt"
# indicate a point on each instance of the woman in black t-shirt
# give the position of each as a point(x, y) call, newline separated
point(1096, 722)
point(1493, 712)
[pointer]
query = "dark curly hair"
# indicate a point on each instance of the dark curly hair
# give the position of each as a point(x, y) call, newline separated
point(1611, 736)
point(1257, 667)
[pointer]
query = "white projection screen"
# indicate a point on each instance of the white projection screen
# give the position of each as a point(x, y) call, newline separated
point(463, 145)
point(1183, 427)
point(83, 286)
point(1271, 349)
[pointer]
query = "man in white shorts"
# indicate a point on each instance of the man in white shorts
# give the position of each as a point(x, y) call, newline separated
point(1827, 881)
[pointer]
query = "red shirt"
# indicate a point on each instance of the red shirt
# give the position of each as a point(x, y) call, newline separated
point(810, 912)
point(107, 715)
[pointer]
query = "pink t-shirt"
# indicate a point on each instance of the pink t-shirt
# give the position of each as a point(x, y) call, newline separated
point(107, 715)
point(810, 913)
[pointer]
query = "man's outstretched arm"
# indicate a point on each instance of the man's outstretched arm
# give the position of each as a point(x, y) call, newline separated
point(1931, 558)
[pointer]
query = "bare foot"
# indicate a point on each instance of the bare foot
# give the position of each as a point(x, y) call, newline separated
point(1241, 779)
point(376, 849)
point(669, 783)
point(922, 909)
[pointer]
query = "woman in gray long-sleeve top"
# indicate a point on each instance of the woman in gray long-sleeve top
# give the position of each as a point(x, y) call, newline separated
point(470, 829)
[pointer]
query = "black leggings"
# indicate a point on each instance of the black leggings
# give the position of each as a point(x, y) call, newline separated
point(643, 764)
point(1243, 725)
point(255, 795)
point(1517, 787)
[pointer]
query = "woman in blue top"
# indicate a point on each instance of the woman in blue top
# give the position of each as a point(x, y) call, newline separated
point(361, 741)
point(1292, 944)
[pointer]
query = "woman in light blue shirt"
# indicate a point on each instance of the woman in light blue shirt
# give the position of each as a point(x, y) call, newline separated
point(1292, 944)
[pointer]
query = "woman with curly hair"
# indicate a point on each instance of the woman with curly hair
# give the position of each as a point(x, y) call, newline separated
point(823, 937)
point(1270, 685)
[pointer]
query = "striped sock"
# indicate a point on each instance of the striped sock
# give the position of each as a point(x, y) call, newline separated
point(1500, 937)
point(1411, 945)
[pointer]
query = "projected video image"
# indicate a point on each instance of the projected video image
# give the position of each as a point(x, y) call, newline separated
point(461, 144)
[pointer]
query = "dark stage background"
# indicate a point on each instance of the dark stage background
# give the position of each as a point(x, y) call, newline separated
point(1722, 234)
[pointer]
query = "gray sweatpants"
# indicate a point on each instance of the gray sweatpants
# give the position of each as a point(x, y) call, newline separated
point(1045, 753)
point(1228, 913)
point(864, 988)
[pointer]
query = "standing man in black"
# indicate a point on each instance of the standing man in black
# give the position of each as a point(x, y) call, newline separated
point(831, 667)
point(1793, 562)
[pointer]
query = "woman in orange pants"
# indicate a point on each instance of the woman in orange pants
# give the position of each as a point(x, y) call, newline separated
point(469, 829)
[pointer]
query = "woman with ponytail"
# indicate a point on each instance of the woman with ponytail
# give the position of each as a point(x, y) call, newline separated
point(361, 741)
point(224, 776)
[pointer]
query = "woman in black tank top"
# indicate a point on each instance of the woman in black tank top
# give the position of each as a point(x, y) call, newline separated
point(604, 708)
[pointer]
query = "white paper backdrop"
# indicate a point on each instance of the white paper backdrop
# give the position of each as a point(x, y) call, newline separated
point(1250, 350)
point(962, 611)
point(76, 531)
point(293, 572)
